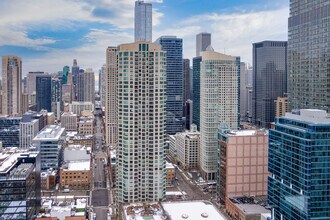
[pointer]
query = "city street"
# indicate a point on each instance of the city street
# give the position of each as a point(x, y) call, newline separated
point(100, 199)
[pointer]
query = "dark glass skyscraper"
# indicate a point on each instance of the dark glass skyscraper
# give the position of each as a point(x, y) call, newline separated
point(20, 195)
point(196, 90)
point(309, 55)
point(186, 82)
point(174, 69)
point(66, 70)
point(269, 79)
point(298, 165)
point(44, 92)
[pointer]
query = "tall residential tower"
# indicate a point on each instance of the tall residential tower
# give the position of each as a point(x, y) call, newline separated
point(219, 105)
point(111, 120)
point(141, 122)
point(11, 85)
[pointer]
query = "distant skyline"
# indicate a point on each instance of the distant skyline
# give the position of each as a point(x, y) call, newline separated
point(49, 34)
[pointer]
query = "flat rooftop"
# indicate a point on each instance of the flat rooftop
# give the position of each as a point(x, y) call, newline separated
point(50, 132)
point(78, 165)
point(312, 116)
point(195, 210)
point(246, 132)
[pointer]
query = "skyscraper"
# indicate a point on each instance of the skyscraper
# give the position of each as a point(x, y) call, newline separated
point(309, 55)
point(219, 105)
point(298, 166)
point(89, 86)
point(269, 80)
point(174, 72)
point(75, 73)
point(80, 86)
point(66, 70)
point(143, 21)
point(141, 122)
point(203, 40)
point(31, 82)
point(11, 85)
point(244, 92)
point(57, 105)
point(102, 84)
point(186, 81)
point(196, 90)
point(44, 92)
point(111, 109)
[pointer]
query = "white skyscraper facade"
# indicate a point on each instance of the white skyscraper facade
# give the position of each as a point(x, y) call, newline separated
point(143, 21)
point(141, 122)
point(219, 103)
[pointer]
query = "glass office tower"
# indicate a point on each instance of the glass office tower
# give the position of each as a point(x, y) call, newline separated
point(196, 90)
point(309, 55)
point(143, 21)
point(19, 184)
point(269, 80)
point(174, 73)
point(299, 166)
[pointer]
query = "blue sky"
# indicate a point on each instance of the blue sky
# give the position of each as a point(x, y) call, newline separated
point(49, 34)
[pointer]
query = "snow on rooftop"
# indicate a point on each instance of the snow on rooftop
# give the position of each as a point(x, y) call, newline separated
point(169, 165)
point(9, 162)
point(79, 165)
point(195, 210)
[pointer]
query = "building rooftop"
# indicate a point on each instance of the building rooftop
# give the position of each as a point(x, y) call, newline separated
point(251, 205)
point(50, 132)
point(169, 165)
point(247, 132)
point(192, 210)
point(77, 165)
point(312, 116)
point(10, 156)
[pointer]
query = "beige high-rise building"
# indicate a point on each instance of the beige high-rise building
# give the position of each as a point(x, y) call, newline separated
point(11, 85)
point(141, 122)
point(111, 95)
point(25, 102)
point(243, 162)
point(219, 82)
point(281, 106)
point(89, 86)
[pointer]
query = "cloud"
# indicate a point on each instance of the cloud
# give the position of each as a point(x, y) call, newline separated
point(90, 55)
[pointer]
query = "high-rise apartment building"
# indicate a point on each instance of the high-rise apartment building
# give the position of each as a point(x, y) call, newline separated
point(20, 196)
point(143, 21)
point(44, 92)
point(299, 155)
point(203, 40)
point(111, 97)
point(89, 86)
point(309, 55)
point(196, 90)
point(11, 85)
point(186, 80)
point(174, 72)
point(269, 80)
point(141, 122)
point(219, 105)
point(242, 163)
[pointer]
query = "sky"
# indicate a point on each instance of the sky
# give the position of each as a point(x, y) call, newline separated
point(49, 34)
